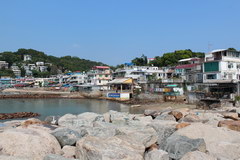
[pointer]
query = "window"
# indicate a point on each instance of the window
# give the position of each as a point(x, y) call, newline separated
point(238, 66)
point(230, 65)
point(211, 76)
point(100, 81)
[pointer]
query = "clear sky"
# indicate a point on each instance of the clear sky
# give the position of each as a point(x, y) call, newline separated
point(116, 31)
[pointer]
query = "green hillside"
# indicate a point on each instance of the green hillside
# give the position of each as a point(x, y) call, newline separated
point(66, 63)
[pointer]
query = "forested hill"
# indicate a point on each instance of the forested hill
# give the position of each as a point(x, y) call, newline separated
point(168, 59)
point(63, 63)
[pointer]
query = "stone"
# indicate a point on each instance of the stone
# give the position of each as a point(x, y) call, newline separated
point(190, 118)
point(178, 115)
point(164, 129)
point(7, 157)
point(152, 113)
point(66, 136)
point(52, 119)
point(143, 118)
point(182, 125)
point(31, 121)
point(221, 142)
point(103, 132)
point(75, 121)
point(184, 111)
point(210, 118)
point(166, 117)
point(177, 146)
point(28, 143)
point(69, 151)
point(230, 124)
point(94, 148)
point(230, 115)
point(156, 155)
point(106, 117)
point(56, 157)
point(152, 147)
point(196, 155)
point(146, 135)
point(120, 118)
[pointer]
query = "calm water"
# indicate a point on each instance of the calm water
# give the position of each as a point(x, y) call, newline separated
point(60, 107)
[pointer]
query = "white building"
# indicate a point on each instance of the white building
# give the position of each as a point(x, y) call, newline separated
point(3, 64)
point(27, 57)
point(42, 68)
point(190, 70)
point(16, 71)
point(141, 74)
point(99, 76)
point(40, 63)
point(78, 78)
point(222, 66)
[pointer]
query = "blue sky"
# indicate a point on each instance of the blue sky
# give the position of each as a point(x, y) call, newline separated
point(116, 31)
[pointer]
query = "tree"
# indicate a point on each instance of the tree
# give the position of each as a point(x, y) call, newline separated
point(172, 58)
point(232, 49)
point(140, 61)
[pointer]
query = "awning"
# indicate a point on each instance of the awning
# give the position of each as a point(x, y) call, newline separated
point(121, 81)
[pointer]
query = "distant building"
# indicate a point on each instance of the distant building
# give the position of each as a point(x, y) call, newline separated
point(16, 71)
point(42, 68)
point(3, 64)
point(40, 63)
point(78, 78)
point(99, 76)
point(190, 70)
point(222, 66)
point(150, 60)
point(27, 57)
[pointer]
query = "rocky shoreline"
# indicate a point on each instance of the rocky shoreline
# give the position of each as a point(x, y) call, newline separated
point(17, 115)
point(186, 134)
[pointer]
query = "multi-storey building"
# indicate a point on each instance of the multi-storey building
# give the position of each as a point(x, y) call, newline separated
point(190, 70)
point(222, 66)
point(27, 57)
point(99, 76)
point(3, 64)
point(16, 70)
point(78, 78)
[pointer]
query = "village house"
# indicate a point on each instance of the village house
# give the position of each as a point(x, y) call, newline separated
point(27, 57)
point(78, 78)
point(190, 70)
point(3, 65)
point(99, 77)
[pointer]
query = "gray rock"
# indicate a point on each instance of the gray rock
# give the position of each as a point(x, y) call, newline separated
point(28, 143)
point(164, 129)
point(166, 117)
point(69, 151)
point(56, 157)
point(7, 157)
point(146, 135)
point(190, 118)
point(220, 142)
point(93, 148)
point(120, 118)
point(75, 121)
point(196, 155)
point(156, 155)
point(66, 136)
point(177, 146)
point(153, 113)
point(98, 131)
point(52, 119)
